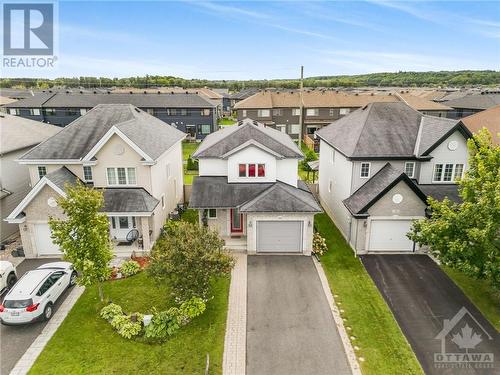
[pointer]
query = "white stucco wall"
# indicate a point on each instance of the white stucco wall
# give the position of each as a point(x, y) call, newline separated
point(251, 155)
point(212, 167)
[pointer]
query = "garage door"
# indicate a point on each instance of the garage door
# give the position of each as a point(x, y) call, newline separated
point(44, 244)
point(390, 235)
point(279, 236)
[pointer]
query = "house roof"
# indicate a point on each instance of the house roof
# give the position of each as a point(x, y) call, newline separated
point(475, 101)
point(439, 192)
point(128, 200)
point(90, 100)
point(216, 192)
point(217, 144)
point(385, 130)
point(205, 91)
point(489, 119)
point(386, 178)
point(243, 94)
point(76, 140)
point(421, 103)
point(61, 177)
point(17, 133)
point(6, 100)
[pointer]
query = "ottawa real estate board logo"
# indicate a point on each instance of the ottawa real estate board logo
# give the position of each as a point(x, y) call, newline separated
point(29, 35)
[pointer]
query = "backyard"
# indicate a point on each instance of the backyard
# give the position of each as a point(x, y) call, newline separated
point(188, 148)
point(381, 343)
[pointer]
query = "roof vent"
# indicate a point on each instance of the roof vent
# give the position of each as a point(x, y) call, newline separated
point(130, 92)
point(187, 92)
point(366, 106)
point(109, 92)
point(356, 94)
point(67, 91)
point(172, 93)
point(81, 92)
point(196, 92)
point(95, 92)
point(50, 91)
point(145, 92)
point(159, 92)
point(372, 94)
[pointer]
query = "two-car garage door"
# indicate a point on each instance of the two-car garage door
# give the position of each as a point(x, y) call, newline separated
point(389, 235)
point(279, 236)
point(43, 242)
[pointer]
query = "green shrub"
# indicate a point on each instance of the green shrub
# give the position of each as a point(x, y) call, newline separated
point(108, 312)
point(319, 244)
point(129, 268)
point(126, 327)
point(163, 324)
point(191, 309)
point(192, 164)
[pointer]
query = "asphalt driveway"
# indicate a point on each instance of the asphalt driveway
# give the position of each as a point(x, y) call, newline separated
point(15, 340)
point(421, 296)
point(290, 329)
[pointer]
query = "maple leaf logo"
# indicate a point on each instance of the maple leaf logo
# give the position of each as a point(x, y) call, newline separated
point(468, 339)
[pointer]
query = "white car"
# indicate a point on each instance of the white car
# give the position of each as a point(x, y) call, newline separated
point(32, 298)
point(8, 276)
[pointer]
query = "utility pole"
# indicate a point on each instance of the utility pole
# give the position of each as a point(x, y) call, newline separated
point(301, 117)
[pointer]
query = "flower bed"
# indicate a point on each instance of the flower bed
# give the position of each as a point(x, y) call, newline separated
point(129, 267)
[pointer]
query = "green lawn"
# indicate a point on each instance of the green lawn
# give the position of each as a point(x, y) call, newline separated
point(86, 344)
point(188, 148)
point(226, 121)
point(480, 293)
point(376, 332)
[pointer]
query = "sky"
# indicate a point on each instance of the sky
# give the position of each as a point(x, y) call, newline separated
point(267, 40)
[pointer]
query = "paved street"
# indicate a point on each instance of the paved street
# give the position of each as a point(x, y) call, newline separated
point(290, 329)
point(421, 296)
point(14, 341)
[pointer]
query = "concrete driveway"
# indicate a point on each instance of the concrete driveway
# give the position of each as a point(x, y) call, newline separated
point(421, 296)
point(290, 328)
point(15, 340)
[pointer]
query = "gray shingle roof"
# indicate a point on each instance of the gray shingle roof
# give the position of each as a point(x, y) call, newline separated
point(216, 192)
point(77, 100)
point(62, 176)
point(439, 192)
point(475, 101)
point(383, 130)
point(433, 129)
point(222, 141)
point(128, 200)
point(150, 134)
point(387, 177)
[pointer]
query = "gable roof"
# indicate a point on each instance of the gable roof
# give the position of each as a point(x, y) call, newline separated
point(421, 103)
point(17, 133)
point(217, 144)
point(385, 130)
point(35, 101)
point(489, 119)
point(475, 101)
point(76, 140)
point(386, 178)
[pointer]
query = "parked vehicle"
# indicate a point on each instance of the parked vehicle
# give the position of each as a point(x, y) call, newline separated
point(33, 297)
point(8, 276)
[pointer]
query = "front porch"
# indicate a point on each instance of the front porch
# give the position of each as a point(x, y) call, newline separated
point(236, 244)
point(130, 234)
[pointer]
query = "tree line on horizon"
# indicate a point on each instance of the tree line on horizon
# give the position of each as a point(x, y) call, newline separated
point(399, 79)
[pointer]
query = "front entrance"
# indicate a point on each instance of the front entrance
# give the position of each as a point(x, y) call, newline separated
point(121, 226)
point(236, 221)
point(191, 131)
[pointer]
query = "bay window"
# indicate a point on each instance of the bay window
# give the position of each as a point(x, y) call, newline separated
point(121, 176)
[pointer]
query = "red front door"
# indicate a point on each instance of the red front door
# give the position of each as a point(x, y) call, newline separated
point(236, 221)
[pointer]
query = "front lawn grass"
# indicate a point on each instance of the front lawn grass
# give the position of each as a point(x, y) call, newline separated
point(226, 121)
point(188, 148)
point(480, 292)
point(377, 334)
point(86, 344)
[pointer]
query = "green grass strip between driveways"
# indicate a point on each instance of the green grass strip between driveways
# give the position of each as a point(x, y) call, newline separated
point(381, 342)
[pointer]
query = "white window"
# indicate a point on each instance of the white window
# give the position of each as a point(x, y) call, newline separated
point(121, 176)
point(205, 112)
point(332, 155)
point(168, 171)
point(447, 172)
point(295, 129)
point(13, 111)
point(163, 201)
point(212, 213)
point(295, 111)
point(344, 111)
point(42, 171)
point(244, 113)
point(410, 168)
point(205, 129)
point(87, 173)
point(330, 186)
point(311, 112)
point(365, 170)
point(83, 111)
point(277, 112)
point(332, 112)
point(35, 111)
point(150, 111)
point(263, 113)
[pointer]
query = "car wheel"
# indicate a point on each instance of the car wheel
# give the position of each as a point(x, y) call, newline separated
point(72, 279)
point(11, 280)
point(47, 312)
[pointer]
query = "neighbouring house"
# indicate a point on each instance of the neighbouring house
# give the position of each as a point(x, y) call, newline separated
point(489, 119)
point(187, 112)
point(132, 156)
point(17, 136)
point(248, 189)
point(237, 97)
point(424, 105)
point(378, 166)
point(472, 103)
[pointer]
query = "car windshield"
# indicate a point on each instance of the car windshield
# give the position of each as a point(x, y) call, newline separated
point(17, 303)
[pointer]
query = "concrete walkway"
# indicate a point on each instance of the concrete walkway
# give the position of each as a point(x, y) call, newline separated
point(29, 357)
point(290, 327)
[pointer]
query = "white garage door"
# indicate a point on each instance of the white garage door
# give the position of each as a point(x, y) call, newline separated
point(390, 235)
point(279, 236)
point(44, 244)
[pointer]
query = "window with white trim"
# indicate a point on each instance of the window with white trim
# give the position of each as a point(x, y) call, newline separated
point(42, 171)
point(204, 128)
point(344, 111)
point(35, 111)
point(295, 129)
point(251, 170)
point(277, 112)
point(410, 169)
point(13, 111)
point(87, 173)
point(211, 213)
point(365, 170)
point(263, 113)
point(83, 111)
point(295, 111)
point(244, 113)
point(312, 112)
point(447, 172)
point(121, 176)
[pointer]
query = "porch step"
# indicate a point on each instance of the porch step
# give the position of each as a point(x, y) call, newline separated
point(236, 244)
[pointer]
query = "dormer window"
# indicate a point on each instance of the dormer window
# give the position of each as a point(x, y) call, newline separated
point(252, 170)
point(365, 170)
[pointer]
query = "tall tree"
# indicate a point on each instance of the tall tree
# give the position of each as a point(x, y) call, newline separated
point(466, 236)
point(83, 235)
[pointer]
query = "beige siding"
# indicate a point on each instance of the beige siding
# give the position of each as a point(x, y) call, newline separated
point(411, 205)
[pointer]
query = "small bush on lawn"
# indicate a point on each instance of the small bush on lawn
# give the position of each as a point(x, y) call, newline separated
point(126, 327)
point(108, 312)
point(192, 164)
point(319, 244)
point(130, 268)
